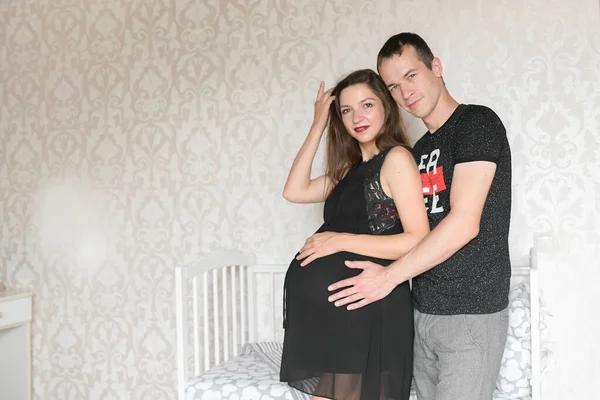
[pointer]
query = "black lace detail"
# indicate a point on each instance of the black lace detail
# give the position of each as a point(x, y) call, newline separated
point(381, 210)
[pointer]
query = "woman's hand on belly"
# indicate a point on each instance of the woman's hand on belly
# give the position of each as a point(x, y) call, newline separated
point(321, 245)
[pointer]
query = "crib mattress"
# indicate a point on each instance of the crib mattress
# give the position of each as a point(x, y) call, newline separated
point(252, 375)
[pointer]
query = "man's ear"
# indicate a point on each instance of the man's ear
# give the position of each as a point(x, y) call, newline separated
point(436, 67)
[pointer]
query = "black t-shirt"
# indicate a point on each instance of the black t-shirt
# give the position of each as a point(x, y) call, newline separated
point(476, 279)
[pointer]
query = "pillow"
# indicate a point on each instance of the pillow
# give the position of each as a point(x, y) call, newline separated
point(269, 352)
point(515, 371)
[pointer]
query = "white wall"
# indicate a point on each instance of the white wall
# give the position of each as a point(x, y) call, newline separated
point(137, 134)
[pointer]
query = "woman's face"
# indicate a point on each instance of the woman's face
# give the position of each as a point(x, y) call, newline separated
point(362, 112)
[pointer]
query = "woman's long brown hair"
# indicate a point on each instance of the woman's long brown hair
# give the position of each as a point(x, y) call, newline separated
point(343, 151)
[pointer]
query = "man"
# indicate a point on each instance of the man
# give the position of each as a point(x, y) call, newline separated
point(461, 270)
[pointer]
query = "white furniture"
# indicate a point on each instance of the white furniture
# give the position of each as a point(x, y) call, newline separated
point(209, 270)
point(15, 345)
point(223, 301)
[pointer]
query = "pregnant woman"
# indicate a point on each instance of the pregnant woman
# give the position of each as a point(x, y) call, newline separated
point(373, 211)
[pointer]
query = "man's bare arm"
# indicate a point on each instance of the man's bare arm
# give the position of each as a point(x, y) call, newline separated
point(470, 186)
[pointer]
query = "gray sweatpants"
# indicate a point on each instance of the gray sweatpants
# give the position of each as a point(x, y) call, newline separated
point(457, 357)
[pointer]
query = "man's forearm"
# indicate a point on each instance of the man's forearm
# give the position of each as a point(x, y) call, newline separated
point(389, 247)
point(452, 234)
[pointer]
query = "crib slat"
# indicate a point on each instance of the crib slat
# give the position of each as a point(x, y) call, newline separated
point(225, 317)
point(181, 295)
point(273, 305)
point(216, 336)
point(251, 292)
point(196, 319)
point(234, 311)
point(243, 303)
point(535, 334)
point(206, 331)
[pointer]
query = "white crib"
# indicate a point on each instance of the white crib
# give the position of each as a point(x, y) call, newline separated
point(229, 329)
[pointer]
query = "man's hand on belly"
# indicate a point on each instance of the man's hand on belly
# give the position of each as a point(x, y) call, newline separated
point(371, 285)
point(320, 245)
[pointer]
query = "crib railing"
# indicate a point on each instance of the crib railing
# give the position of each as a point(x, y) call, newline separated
point(229, 301)
point(217, 308)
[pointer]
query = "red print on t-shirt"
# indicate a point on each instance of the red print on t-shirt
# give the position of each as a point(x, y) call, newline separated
point(433, 181)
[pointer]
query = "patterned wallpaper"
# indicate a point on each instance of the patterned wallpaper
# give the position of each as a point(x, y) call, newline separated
point(137, 134)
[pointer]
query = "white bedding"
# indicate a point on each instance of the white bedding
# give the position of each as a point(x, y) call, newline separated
point(254, 374)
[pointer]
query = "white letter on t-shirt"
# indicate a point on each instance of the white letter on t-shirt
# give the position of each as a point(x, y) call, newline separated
point(433, 158)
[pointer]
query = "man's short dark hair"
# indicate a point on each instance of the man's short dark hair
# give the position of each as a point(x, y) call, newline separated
point(395, 45)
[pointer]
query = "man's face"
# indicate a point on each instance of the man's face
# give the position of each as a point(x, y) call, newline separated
point(415, 87)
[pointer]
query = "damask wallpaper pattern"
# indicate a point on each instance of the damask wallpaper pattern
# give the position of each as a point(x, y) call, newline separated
point(137, 134)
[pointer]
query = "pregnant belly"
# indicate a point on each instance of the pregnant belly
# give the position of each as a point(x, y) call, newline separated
point(310, 282)
point(310, 318)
